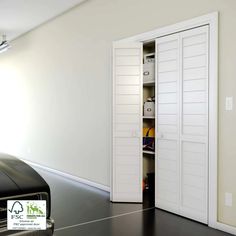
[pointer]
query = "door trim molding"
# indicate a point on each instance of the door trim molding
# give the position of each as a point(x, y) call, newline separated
point(211, 20)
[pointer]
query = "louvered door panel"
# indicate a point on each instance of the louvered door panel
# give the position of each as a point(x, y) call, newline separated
point(167, 107)
point(182, 123)
point(127, 122)
point(194, 131)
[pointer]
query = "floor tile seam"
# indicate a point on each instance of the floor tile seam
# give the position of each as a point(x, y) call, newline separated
point(103, 219)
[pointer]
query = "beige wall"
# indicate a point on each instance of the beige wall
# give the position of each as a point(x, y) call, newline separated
point(55, 86)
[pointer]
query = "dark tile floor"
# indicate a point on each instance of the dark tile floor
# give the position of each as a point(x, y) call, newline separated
point(85, 211)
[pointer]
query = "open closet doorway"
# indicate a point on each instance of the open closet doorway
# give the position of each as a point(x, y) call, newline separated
point(149, 124)
point(174, 140)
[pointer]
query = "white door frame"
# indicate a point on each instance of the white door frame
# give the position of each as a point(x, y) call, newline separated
point(211, 20)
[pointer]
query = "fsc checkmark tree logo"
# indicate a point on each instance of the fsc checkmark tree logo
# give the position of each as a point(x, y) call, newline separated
point(26, 215)
point(16, 208)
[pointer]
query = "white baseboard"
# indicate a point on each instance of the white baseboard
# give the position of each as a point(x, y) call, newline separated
point(225, 228)
point(69, 176)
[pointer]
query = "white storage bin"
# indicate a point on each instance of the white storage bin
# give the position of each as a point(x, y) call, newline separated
point(149, 72)
point(150, 57)
point(149, 109)
point(149, 68)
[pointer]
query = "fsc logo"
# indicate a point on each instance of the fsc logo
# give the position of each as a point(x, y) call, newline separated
point(26, 215)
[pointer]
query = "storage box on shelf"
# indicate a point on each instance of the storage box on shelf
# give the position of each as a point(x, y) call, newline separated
point(149, 68)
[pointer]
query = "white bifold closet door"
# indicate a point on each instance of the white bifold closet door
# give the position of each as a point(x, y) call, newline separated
point(182, 123)
point(127, 123)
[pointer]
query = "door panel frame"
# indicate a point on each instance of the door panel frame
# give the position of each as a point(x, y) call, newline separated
point(160, 203)
point(128, 45)
point(211, 20)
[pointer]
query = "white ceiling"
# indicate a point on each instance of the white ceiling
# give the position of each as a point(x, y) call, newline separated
point(19, 16)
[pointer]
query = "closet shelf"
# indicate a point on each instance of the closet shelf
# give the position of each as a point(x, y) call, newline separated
point(149, 152)
point(150, 84)
point(148, 117)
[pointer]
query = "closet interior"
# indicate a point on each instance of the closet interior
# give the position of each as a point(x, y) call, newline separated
point(149, 122)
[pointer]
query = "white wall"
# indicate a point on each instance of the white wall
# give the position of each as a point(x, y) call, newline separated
point(55, 86)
